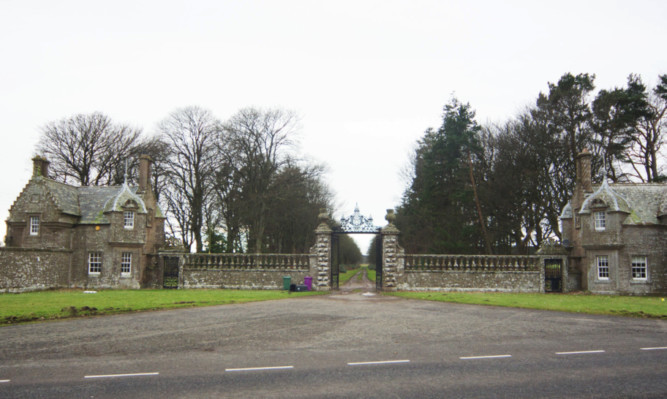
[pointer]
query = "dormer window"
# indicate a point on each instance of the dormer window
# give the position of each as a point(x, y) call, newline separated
point(600, 219)
point(34, 225)
point(128, 219)
point(598, 203)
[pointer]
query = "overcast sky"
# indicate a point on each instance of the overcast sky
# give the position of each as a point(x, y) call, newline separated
point(366, 77)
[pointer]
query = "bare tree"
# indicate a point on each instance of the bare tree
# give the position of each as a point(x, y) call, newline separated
point(88, 149)
point(227, 188)
point(258, 139)
point(190, 133)
point(645, 154)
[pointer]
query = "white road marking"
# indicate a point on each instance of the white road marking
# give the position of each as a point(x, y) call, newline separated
point(4, 381)
point(378, 362)
point(262, 368)
point(121, 375)
point(485, 357)
point(657, 348)
point(579, 352)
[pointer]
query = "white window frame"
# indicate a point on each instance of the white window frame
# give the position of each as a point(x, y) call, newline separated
point(126, 264)
point(602, 263)
point(94, 263)
point(128, 220)
point(639, 266)
point(34, 225)
point(600, 221)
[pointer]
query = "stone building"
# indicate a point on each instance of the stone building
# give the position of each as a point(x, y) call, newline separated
point(616, 235)
point(60, 235)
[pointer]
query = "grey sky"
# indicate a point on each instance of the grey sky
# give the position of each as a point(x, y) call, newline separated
point(366, 77)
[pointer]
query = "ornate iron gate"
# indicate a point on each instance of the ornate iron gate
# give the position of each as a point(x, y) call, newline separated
point(170, 272)
point(378, 263)
point(553, 275)
point(335, 261)
point(355, 224)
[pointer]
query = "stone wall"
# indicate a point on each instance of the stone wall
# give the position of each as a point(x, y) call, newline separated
point(240, 279)
point(493, 281)
point(639, 241)
point(33, 269)
point(244, 271)
point(471, 273)
point(643, 242)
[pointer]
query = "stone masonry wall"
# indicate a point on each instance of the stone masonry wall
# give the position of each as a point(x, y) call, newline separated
point(472, 273)
point(240, 279)
point(639, 241)
point(33, 269)
point(500, 281)
point(244, 271)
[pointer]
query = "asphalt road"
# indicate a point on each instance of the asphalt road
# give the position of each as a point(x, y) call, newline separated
point(346, 345)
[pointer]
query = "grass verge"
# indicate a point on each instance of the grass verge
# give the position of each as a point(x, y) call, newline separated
point(344, 277)
point(51, 305)
point(370, 274)
point(646, 306)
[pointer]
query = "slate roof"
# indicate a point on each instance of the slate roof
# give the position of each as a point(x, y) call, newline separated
point(65, 196)
point(643, 202)
point(92, 202)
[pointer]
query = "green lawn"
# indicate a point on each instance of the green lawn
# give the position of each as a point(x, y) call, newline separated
point(48, 305)
point(645, 306)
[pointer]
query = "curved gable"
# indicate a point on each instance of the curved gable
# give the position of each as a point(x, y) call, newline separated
point(605, 197)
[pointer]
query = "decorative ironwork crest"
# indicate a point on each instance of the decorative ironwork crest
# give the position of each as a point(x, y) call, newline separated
point(357, 223)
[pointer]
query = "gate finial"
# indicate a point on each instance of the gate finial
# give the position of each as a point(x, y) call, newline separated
point(323, 216)
point(390, 216)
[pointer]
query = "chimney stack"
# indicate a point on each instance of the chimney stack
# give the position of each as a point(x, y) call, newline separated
point(145, 162)
point(584, 175)
point(40, 167)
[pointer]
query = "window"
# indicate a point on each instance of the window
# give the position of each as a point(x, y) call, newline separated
point(94, 263)
point(126, 264)
point(34, 225)
point(128, 219)
point(603, 267)
point(639, 267)
point(600, 221)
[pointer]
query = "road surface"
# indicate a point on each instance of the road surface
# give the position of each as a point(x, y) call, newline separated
point(344, 345)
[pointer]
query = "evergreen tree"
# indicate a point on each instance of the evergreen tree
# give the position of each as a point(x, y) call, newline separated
point(438, 212)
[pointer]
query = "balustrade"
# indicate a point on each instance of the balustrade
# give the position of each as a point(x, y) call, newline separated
point(247, 261)
point(471, 262)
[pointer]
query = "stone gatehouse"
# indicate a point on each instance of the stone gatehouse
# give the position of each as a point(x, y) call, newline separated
point(59, 235)
point(616, 235)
